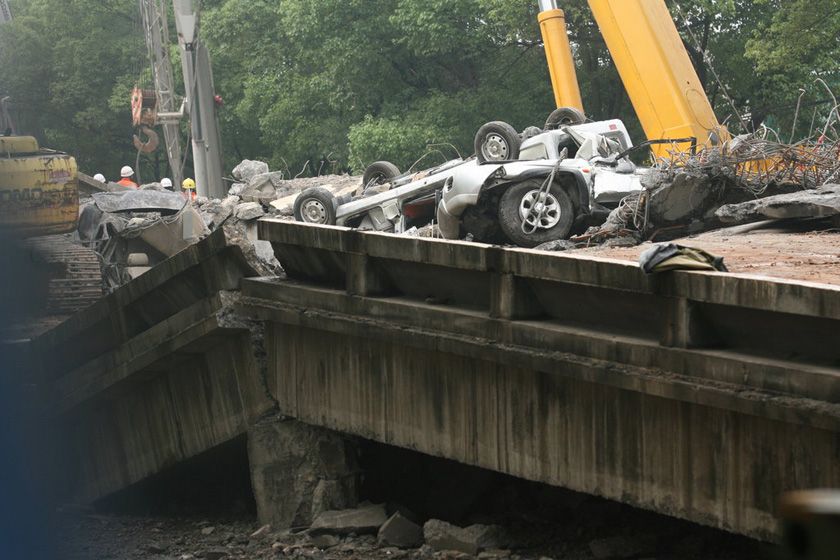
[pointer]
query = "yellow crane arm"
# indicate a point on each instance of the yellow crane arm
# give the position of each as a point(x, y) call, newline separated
point(558, 53)
point(656, 71)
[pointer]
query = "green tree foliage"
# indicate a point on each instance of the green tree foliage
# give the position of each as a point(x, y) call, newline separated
point(69, 67)
point(794, 48)
point(311, 85)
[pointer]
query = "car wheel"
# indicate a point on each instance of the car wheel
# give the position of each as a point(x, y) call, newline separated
point(379, 173)
point(496, 141)
point(564, 116)
point(546, 216)
point(315, 205)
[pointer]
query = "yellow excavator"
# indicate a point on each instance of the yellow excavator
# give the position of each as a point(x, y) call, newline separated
point(654, 66)
point(39, 190)
point(46, 276)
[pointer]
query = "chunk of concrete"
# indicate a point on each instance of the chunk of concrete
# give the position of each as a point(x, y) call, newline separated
point(248, 211)
point(265, 187)
point(248, 169)
point(215, 212)
point(401, 532)
point(362, 520)
point(441, 535)
point(816, 203)
point(686, 196)
point(236, 189)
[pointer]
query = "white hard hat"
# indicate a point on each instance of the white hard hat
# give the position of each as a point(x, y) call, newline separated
point(99, 177)
point(166, 183)
point(126, 171)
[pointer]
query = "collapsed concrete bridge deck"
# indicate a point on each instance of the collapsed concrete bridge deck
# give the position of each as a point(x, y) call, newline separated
point(150, 375)
point(699, 395)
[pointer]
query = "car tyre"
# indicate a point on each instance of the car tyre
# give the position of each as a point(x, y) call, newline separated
point(496, 141)
point(564, 116)
point(379, 173)
point(315, 205)
point(518, 197)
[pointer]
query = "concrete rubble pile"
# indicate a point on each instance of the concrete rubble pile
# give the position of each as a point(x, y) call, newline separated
point(403, 530)
point(751, 179)
point(133, 230)
point(259, 192)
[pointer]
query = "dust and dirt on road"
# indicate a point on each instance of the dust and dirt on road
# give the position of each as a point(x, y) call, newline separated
point(813, 256)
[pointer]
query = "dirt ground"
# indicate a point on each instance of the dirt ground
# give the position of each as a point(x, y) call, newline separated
point(123, 537)
point(813, 256)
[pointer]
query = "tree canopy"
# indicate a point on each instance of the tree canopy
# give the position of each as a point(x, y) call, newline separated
point(326, 85)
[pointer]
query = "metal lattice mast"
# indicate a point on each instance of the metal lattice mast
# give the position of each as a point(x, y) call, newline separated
point(156, 29)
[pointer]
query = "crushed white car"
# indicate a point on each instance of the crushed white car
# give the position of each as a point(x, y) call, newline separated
point(524, 192)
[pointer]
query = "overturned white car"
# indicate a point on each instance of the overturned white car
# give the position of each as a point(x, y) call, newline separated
point(553, 181)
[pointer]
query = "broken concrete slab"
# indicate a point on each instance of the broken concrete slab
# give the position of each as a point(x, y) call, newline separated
point(248, 211)
point(362, 520)
point(401, 532)
point(133, 362)
point(684, 197)
point(265, 187)
point(816, 203)
point(236, 189)
point(215, 212)
point(237, 233)
point(441, 535)
point(248, 169)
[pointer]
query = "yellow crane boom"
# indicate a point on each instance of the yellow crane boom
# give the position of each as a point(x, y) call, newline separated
point(654, 66)
point(558, 53)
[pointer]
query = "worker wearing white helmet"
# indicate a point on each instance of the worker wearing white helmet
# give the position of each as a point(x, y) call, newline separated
point(99, 177)
point(166, 183)
point(127, 174)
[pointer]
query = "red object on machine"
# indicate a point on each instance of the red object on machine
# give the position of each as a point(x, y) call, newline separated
point(143, 107)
